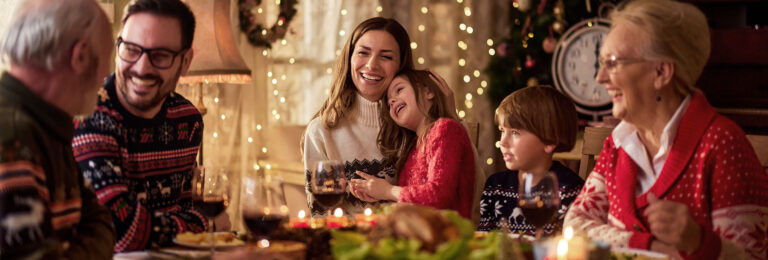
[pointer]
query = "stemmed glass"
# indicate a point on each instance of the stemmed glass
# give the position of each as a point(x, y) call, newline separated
point(263, 205)
point(539, 199)
point(211, 194)
point(329, 184)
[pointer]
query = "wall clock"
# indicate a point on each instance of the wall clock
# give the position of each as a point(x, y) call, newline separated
point(575, 65)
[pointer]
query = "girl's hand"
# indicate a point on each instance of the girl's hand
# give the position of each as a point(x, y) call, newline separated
point(446, 91)
point(376, 188)
point(360, 195)
point(671, 223)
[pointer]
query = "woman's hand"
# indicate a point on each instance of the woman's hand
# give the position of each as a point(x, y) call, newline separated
point(450, 102)
point(375, 188)
point(672, 224)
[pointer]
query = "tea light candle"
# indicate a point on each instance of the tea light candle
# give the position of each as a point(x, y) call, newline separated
point(337, 220)
point(562, 249)
point(568, 233)
point(301, 221)
point(366, 219)
point(570, 247)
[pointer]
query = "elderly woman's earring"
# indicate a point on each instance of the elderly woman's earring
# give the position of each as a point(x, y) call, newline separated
point(658, 96)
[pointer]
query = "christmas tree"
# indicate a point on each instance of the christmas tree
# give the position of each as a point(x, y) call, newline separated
point(524, 57)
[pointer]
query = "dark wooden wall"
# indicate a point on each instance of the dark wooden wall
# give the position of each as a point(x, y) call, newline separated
point(736, 78)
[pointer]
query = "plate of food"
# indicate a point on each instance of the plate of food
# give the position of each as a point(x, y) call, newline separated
point(636, 254)
point(410, 231)
point(203, 240)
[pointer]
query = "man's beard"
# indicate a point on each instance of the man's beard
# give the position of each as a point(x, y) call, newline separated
point(159, 95)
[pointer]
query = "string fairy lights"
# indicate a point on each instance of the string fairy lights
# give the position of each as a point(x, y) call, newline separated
point(470, 73)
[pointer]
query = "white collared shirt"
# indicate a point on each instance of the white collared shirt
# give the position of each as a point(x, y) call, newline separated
point(625, 137)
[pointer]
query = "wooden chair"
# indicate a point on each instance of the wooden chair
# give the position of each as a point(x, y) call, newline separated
point(760, 144)
point(593, 144)
point(473, 130)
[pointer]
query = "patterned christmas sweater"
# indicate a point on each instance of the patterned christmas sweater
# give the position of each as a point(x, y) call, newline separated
point(499, 201)
point(45, 210)
point(711, 168)
point(440, 170)
point(352, 142)
point(141, 168)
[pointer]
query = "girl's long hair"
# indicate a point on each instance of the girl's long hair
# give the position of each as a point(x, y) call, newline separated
point(342, 94)
point(396, 142)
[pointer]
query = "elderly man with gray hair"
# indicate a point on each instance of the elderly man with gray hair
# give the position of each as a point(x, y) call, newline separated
point(58, 53)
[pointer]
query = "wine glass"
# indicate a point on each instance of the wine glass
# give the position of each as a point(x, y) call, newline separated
point(263, 205)
point(539, 199)
point(329, 184)
point(211, 194)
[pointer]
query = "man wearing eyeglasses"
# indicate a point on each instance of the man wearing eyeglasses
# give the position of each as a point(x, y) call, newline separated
point(138, 149)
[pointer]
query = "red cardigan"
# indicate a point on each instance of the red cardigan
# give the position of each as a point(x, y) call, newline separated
point(711, 168)
point(440, 170)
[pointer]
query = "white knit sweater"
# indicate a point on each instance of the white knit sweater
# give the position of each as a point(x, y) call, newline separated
point(353, 142)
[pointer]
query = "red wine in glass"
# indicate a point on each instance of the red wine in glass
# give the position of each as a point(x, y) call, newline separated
point(329, 200)
point(263, 205)
point(211, 205)
point(539, 199)
point(210, 195)
point(539, 214)
point(264, 225)
point(329, 183)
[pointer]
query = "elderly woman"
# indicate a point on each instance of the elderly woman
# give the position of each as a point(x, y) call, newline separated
point(674, 176)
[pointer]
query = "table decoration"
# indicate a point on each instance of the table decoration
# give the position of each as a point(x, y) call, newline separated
point(365, 220)
point(337, 220)
point(301, 222)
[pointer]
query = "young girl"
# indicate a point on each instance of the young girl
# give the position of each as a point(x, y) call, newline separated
point(535, 122)
point(431, 150)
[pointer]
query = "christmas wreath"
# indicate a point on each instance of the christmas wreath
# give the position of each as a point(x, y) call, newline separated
point(259, 35)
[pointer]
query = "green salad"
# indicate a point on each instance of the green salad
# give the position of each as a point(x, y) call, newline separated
point(350, 245)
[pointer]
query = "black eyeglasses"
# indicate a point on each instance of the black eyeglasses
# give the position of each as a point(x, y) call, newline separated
point(160, 58)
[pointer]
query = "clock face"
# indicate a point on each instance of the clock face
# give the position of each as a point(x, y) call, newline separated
point(576, 67)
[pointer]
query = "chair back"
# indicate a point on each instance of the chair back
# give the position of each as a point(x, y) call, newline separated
point(473, 130)
point(760, 144)
point(593, 144)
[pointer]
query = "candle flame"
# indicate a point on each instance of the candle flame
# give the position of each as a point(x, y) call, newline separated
point(263, 243)
point(338, 212)
point(302, 214)
point(368, 212)
point(562, 247)
point(568, 233)
point(267, 211)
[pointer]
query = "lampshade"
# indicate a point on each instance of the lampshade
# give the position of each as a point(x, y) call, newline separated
point(216, 58)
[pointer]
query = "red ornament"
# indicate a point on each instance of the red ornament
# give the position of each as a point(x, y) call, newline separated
point(502, 49)
point(549, 44)
point(529, 62)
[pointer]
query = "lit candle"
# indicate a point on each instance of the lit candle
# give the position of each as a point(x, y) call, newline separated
point(337, 220)
point(301, 222)
point(562, 249)
point(366, 219)
point(571, 247)
point(568, 233)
